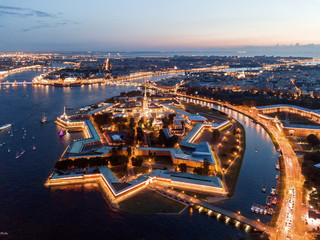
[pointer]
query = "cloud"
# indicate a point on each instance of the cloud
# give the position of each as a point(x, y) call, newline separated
point(24, 12)
point(44, 25)
point(51, 20)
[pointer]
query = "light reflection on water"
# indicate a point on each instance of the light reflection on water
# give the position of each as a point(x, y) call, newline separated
point(30, 208)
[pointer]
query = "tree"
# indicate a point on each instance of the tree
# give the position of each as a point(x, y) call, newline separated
point(183, 167)
point(136, 161)
point(215, 135)
point(140, 134)
point(206, 165)
point(132, 123)
point(130, 137)
point(129, 151)
point(313, 141)
point(198, 170)
point(171, 141)
point(161, 138)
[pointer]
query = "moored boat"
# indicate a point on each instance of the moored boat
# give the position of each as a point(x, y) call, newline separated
point(261, 210)
point(44, 119)
point(257, 210)
point(6, 126)
point(274, 200)
point(277, 166)
point(269, 201)
point(270, 211)
point(273, 191)
point(253, 208)
point(265, 210)
point(264, 189)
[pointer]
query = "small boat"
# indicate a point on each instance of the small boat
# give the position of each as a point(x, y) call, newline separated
point(256, 150)
point(34, 148)
point(277, 166)
point(264, 189)
point(269, 201)
point(9, 150)
point(11, 135)
point(23, 151)
point(265, 210)
point(270, 211)
point(44, 119)
point(62, 132)
point(273, 191)
point(17, 155)
point(253, 208)
point(261, 210)
point(6, 126)
point(277, 176)
point(257, 210)
point(274, 200)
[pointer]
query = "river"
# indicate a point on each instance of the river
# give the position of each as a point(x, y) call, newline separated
point(31, 211)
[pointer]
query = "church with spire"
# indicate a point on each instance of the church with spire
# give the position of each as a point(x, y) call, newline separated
point(145, 105)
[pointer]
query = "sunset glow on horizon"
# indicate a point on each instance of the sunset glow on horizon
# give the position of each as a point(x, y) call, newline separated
point(155, 25)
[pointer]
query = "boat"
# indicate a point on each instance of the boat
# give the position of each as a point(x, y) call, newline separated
point(270, 211)
point(274, 200)
point(277, 166)
point(269, 201)
point(265, 210)
point(34, 148)
point(253, 208)
point(23, 151)
point(44, 119)
point(261, 210)
point(277, 176)
point(273, 191)
point(62, 132)
point(8, 149)
point(17, 155)
point(264, 189)
point(257, 210)
point(6, 126)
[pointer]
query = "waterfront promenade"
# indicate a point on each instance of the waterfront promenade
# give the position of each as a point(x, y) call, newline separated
point(294, 177)
point(203, 206)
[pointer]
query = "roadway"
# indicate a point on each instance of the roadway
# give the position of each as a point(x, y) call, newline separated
point(293, 178)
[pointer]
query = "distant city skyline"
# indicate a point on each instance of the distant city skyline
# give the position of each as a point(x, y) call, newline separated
point(155, 25)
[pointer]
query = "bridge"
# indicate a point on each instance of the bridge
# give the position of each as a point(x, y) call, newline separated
point(15, 83)
point(237, 219)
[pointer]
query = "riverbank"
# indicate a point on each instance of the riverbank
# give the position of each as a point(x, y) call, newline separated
point(229, 148)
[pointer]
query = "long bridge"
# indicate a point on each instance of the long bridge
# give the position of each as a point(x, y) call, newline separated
point(15, 83)
point(237, 219)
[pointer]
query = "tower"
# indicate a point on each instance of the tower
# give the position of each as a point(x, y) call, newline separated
point(107, 64)
point(145, 107)
point(64, 115)
point(145, 99)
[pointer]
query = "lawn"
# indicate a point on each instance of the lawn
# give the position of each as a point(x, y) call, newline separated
point(119, 171)
point(194, 108)
point(150, 202)
point(141, 169)
point(234, 171)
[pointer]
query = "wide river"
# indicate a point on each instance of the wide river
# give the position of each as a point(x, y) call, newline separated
point(28, 210)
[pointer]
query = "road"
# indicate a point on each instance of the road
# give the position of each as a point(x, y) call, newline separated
point(293, 178)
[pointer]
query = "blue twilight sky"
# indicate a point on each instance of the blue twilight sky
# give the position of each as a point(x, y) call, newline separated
point(129, 25)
